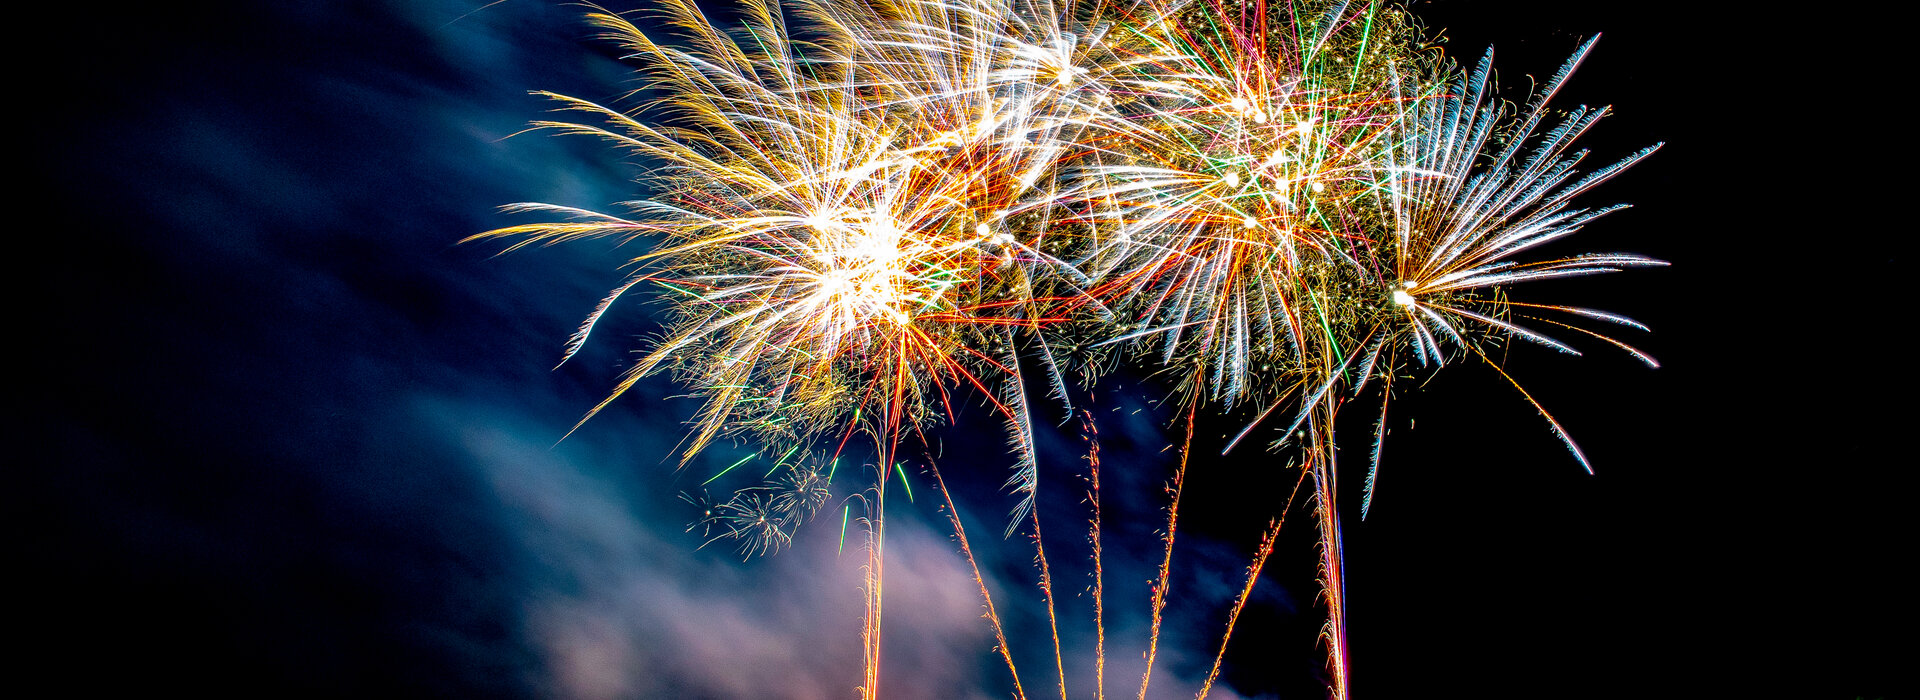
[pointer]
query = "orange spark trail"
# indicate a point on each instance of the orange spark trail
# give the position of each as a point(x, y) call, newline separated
point(1246, 592)
point(1046, 589)
point(1332, 567)
point(870, 628)
point(1166, 563)
point(1099, 607)
point(992, 616)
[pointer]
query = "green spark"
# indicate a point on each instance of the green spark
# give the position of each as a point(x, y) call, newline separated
point(723, 472)
point(903, 479)
point(843, 528)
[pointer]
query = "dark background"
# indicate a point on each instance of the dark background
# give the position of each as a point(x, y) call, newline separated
point(279, 435)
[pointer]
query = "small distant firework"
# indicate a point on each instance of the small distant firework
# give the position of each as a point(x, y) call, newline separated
point(861, 212)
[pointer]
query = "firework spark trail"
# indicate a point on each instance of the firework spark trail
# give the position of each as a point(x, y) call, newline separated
point(874, 589)
point(992, 616)
point(1166, 561)
point(1379, 445)
point(1026, 476)
point(1046, 591)
point(871, 581)
point(1093, 536)
point(1246, 591)
point(1332, 554)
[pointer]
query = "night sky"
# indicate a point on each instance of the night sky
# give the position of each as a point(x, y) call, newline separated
point(282, 436)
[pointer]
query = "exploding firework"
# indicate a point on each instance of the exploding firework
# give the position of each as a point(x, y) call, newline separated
point(861, 212)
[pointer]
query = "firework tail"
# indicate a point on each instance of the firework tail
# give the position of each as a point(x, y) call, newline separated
point(1046, 591)
point(1246, 591)
point(1093, 536)
point(1166, 562)
point(1332, 563)
point(992, 616)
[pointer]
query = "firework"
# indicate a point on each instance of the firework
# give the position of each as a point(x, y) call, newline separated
point(1457, 228)
point(847, 224)
point(1233, 213)
point(857, 216)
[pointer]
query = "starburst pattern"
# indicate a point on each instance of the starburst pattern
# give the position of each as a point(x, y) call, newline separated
point(861, 211)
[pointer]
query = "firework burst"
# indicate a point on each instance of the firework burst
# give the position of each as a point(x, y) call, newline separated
point(859, 216)
point(830, 262)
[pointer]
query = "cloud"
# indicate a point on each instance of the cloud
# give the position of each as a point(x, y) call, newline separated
point(623, 603)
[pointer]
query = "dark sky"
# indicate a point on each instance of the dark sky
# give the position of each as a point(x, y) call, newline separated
point(280, 435)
